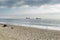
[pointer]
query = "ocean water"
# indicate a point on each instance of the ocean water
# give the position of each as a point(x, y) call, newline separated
point(37, 23)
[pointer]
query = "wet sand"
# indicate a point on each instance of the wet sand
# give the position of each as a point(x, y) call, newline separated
point(12, 32)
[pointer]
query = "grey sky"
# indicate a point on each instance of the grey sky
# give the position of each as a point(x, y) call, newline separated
point(30, 8)
point(17, 3)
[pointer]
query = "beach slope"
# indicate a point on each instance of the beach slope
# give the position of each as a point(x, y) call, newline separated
point(12, 32)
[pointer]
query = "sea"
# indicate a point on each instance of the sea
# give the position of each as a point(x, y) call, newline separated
point(35, 23)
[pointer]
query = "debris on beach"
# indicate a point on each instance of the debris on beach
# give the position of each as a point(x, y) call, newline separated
point(4, 25)
point(11, 27)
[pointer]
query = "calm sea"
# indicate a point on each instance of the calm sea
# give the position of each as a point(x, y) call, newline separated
point(33, 22)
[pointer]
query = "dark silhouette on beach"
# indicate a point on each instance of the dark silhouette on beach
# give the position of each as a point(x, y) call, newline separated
point(4, 25)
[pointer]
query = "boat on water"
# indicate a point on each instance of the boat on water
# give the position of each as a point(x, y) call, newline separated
point(27, 18)
point(38, 18)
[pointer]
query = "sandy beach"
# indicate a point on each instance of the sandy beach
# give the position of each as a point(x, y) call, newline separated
point(12, 32)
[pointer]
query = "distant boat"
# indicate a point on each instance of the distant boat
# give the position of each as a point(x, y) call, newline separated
point(27, 18)
point(38, 18)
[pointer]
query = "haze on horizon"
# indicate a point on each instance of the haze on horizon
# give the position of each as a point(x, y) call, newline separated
point(30, 8)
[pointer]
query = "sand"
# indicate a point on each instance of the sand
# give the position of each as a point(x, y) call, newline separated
point(12, 32)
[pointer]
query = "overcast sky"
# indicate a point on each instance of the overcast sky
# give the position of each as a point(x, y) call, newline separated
point(30, 8)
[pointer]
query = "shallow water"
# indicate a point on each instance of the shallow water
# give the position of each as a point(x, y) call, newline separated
point(36, 23)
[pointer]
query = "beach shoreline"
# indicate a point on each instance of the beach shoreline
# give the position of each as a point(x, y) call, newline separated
point(33, 26)
point(14, 32)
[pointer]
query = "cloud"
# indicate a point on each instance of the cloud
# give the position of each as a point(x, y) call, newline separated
point(43, 9)
point(18, 3)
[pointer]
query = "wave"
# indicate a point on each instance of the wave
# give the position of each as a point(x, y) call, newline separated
point(34, 26)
